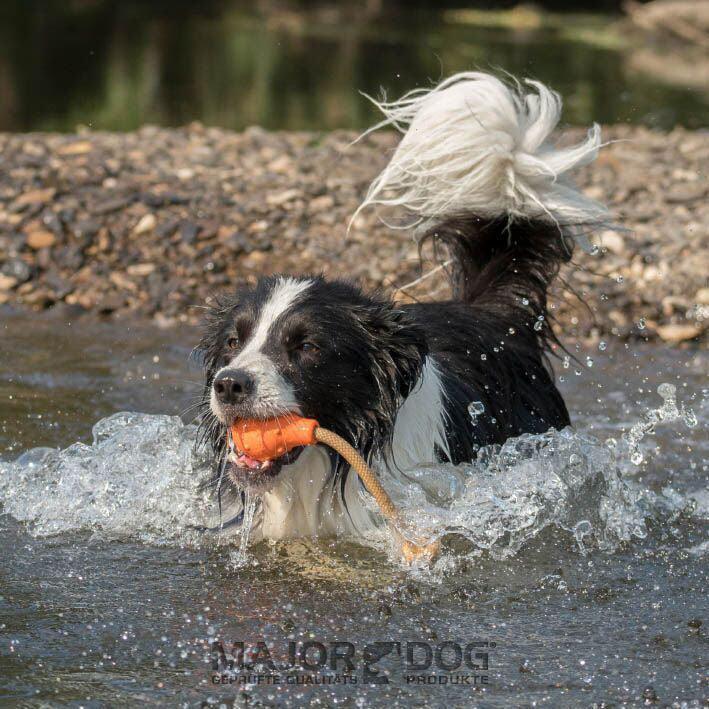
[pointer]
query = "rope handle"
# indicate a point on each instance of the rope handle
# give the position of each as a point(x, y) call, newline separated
point(269, 439)
point(411, 550)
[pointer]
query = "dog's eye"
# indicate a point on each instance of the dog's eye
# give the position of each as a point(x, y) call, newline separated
point(308, 347)
point(232, 343)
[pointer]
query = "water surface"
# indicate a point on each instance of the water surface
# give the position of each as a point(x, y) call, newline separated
point(109, 595)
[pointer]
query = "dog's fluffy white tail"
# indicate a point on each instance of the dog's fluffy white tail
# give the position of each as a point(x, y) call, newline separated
point(476, 145)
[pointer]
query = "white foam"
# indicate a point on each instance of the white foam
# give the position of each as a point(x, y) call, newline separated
point(141, 476)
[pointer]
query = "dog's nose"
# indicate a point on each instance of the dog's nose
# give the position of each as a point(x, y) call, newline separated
point(233, 386)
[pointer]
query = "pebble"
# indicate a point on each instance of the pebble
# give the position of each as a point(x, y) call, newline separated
point(141, 269)
point(18, 269)
point(613, 242)
point(80, 147)
point(687, 192)
point(146, 224)
point(35, 197)
point(40, 239)
point(7, 282)
point(678, 332)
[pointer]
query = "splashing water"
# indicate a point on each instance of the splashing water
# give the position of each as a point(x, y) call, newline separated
point(142, 477)
point(668, 412)
point(139, 467)
point(240, 557)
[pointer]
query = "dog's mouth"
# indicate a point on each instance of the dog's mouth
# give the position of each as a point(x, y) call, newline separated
point(247, 472)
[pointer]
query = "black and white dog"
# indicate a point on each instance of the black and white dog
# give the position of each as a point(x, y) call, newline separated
point(477, 176)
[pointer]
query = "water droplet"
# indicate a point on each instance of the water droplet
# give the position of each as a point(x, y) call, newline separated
point(589, 362)
point(620, 279)
point(636, 457)
point(483, 357)
point(566, 362)
point(511, 331)
point(602, 345)
point(667, 390)
point(475, 409)
point(538, 325)
point(525, 301)
point(641, 324)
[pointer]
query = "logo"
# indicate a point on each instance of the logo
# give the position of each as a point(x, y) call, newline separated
point(342, 662)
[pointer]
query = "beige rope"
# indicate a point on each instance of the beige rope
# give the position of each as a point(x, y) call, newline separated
point(411, 550)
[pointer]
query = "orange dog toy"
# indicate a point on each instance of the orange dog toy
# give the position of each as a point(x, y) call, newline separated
point(272, 438)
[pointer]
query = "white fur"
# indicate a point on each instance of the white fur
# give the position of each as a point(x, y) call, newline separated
point(474, 144)
point(420, 422)
point(273, 393)
point(305, 502)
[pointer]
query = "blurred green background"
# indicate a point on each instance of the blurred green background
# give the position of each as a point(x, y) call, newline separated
point(118, 64)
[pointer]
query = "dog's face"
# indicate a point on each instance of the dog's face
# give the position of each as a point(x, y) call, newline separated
point(319, 349)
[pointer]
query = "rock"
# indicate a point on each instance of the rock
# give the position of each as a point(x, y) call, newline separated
point(238, 243)
point(140, 269)
point(155, 200)
point(146, 224)
point(679, 332)
point(189, 231)
point(119, 280)
point(612, 241)
point(112, 205)
point(320, 204)
point(275, 200)
point(18, 269)
point(86, 228)
point(166, 228)
point(110, 303)
point(34, 197)
point(40, 239)
point(7, 282)
point(80, 147)
point(281, 164)
point(61, 286)
point(686, 192)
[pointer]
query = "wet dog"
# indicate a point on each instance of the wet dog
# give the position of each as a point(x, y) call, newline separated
point(476, 175)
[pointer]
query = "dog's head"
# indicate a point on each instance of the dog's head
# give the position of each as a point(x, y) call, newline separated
point(307, 346)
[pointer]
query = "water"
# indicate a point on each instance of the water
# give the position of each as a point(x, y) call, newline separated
point(582, 570)
point(295, 65)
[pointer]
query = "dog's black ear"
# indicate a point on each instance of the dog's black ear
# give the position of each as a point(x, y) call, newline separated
point(398, 345)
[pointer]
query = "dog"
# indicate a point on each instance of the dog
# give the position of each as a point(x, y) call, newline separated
point(475, 174)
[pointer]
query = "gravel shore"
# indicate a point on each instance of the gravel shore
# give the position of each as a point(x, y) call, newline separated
point(153, 222)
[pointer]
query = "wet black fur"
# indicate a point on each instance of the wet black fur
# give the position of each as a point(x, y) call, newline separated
point(371, 350)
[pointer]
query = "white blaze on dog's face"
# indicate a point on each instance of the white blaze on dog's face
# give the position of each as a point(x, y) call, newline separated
point(251, 377)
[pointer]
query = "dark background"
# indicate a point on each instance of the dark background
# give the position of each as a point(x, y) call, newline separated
point(117, 64)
